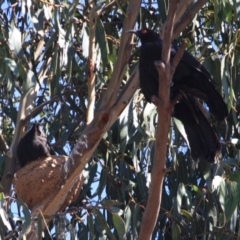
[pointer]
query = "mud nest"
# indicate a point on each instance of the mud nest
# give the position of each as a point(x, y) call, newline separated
point(38, 182)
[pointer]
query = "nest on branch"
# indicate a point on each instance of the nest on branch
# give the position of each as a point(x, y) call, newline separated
point(38, 182)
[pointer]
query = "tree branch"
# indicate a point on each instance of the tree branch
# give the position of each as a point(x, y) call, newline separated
point(188, 17)
point(186, 11)
point(3, 144)
point(88, 142)
point(178, 57)
point(91, 63)
point(123, 55)
point(182, 8)
point(106, 7)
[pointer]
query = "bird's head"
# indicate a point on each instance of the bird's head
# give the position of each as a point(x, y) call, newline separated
point(36, 130)
point(145, 35)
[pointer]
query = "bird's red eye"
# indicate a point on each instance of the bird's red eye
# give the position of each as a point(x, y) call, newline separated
point(144, 31)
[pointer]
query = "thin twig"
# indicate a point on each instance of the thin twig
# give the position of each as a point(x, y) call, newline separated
point(169, 32)
point(178, 56)
point(3, 144)
point(106, 7)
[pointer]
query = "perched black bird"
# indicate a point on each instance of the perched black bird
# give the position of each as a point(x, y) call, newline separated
point(191, 79)
point(33, 145)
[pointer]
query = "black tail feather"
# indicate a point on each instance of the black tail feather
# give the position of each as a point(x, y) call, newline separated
point(202, 137)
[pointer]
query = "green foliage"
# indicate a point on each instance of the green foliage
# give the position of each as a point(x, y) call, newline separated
point(49, 44)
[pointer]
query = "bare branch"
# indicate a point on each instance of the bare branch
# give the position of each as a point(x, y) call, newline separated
point(106, 7)
point(182, 8)
point(126, 94)
point(188, 17)
point(91, 63)
point(168, 31)
point(123, 55)
point(3, 144)
point(186, 11)
point(178, 57)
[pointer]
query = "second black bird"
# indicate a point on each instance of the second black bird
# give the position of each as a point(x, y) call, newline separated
point(191, 79)
point(33, 145)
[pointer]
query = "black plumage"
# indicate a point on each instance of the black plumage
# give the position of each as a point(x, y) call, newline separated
point(191, 79)
point(33, 145)
point(202, 138)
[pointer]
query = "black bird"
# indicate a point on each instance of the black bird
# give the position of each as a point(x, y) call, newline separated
point(33, 145)
point(191, 79)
